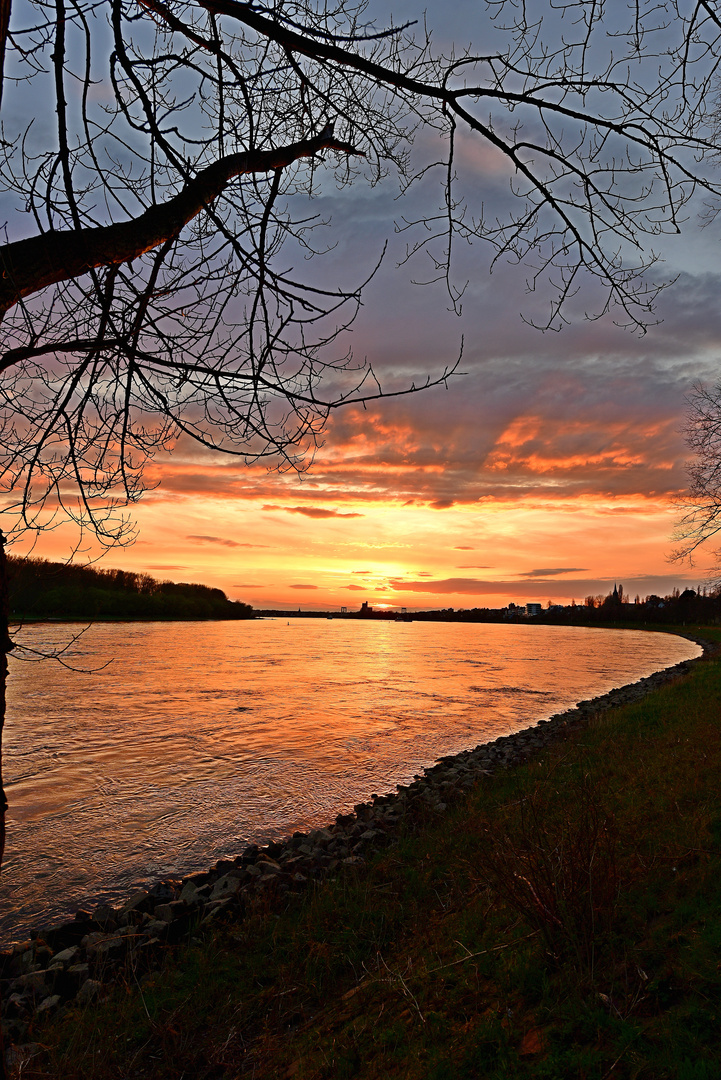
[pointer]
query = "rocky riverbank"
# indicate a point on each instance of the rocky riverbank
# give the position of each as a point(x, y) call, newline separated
point(74, 963)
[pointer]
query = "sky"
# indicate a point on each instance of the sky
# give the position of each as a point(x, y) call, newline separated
point(548, 468)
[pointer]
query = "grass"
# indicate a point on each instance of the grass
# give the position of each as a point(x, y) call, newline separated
point(563, 920)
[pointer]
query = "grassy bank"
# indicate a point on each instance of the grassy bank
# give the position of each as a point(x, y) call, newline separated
point(562, 921)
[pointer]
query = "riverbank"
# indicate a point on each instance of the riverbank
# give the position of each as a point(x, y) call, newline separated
point(444, 946)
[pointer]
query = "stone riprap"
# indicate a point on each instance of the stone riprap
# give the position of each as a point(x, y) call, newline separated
point(77, 961)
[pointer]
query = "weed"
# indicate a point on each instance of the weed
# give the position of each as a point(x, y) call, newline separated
point(556, 864)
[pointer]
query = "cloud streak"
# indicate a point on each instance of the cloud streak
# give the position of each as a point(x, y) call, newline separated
point(222, 542)
point(311, 511)
point(568, 587)
point(553, 571)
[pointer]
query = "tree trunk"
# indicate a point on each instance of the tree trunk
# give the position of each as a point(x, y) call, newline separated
point(5, 646)
point(4, 28)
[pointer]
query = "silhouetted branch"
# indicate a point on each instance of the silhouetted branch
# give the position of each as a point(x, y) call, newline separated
point(33, 264)
point(148, 286)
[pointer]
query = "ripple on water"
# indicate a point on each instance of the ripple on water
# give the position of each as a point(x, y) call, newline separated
point(188, 746)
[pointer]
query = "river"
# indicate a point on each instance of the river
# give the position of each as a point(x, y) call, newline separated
point(161, 747)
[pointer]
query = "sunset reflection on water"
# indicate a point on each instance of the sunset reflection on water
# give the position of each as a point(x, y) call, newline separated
point(199, 737)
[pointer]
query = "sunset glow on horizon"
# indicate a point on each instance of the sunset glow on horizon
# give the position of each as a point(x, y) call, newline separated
point(548, 471)
point(520, 509)
point(548, 468)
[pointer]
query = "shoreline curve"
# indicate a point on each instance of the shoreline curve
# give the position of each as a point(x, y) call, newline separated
point(73, 962)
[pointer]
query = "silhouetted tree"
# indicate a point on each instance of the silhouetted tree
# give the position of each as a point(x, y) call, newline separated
point(700, 519)
point(146, 289)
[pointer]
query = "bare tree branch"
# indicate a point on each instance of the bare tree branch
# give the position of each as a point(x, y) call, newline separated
point(33, 264)
point(147, 283)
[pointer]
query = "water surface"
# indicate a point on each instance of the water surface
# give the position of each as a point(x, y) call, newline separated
point(197, 738)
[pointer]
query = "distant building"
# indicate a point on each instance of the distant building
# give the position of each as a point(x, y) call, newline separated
point(365, 610)
point(534, 609)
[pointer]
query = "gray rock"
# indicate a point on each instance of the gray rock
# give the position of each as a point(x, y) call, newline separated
point(17, 1005)
point(189, 893)
point(162, 892)
point(33, 982)
point(178, 910)
point(156, 928)
point(104, 914)
point(90, 939)
point(89, 991)
point(268, 867)
point(136, 901)
point(164, 912)
point(48, 1005)
point(24, 962)
point(319, 836)
point(214, 909)
point(78, 973)
point(200, 877)
point(225, 886)
point(110, 948)
point(66, 956)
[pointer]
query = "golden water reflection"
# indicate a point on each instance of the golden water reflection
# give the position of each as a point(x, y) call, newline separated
point(199, 737)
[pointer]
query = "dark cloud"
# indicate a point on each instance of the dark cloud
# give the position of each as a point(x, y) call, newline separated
point(361, 571)
point(538, 427)
point(540, 432)
point(473, 566)
point(553, 570)
point(222, 542)
point(248, 586)
point(569, 587)
point(218, 480)
point(356, 588)
point(463, 547)
point(591, 412)
point(303, 586)
point(311, 511)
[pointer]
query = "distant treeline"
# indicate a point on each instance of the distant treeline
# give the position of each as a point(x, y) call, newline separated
point(689, 606)
point(677, 607)
point(703, 606)
point(43, 589)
